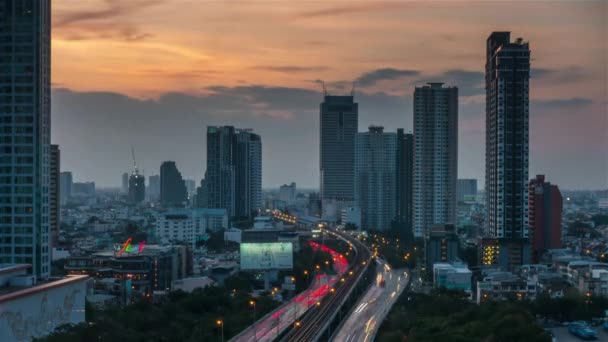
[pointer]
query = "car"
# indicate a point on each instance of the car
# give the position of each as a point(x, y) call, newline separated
point(582, 330)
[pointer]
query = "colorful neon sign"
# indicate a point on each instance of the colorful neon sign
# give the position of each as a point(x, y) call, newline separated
point(128, 247)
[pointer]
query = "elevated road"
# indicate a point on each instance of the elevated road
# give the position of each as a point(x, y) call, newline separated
point(366, 316)
point(319, 319)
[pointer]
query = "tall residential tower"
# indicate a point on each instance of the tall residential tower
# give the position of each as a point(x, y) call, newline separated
point(25, 101)
point(507, 117)
point(172, 186)
point(435, 156)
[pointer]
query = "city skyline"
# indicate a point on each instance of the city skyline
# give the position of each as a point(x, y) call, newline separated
point(254, 84)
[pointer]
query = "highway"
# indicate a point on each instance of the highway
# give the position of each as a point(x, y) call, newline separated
point(273, 324)
point(369, 312)
point(312, 324)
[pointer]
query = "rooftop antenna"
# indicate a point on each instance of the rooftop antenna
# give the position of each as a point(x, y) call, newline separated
point(325, 93)
point(135, 171)
point(352, 91)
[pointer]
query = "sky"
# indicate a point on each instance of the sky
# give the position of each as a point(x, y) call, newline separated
point(152, 74)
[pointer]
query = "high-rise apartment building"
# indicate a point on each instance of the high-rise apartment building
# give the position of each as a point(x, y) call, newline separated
point(405, 182)
point(54, 194)
point(435, 156)
point(154, 187)
point(172, 187)
point(233, 180)
point(339, 125)
point(137, 188)
point(287, 193)
point(65, 188)
point(125, 183)
point(507, 121)
point(466, 189)
point(190, 186)
point(545, 216)
point(25, 101)
point(376, 178)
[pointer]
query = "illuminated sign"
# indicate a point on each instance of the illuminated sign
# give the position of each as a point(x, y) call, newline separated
point(266, 256)
point(128, 247)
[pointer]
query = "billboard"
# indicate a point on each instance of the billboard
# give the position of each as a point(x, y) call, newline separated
point(266, 256)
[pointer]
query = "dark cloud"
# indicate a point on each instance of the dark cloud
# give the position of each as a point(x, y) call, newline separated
point(564, 75)
point(375, 76)
point(114, 8)
point(291, 68)
point(574, 102)
point(469, 83)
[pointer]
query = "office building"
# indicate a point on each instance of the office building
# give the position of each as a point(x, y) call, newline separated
point(153, 188)
point(507, 117)
point(189, 225)
point(125, 183)
point(54, 194)
point(83, 189)
point(287, 193)
point(405, 183)
point(466, 190)
point(172, 186)
point(201, 195)
point(545, 216)
point(435, 156)
point(339, 125)
point(351, 216)
point(441, 245)
point(65, 188)
point(376, 178)
point(233, 180)
point(25, 118)
point(137, 188)
point(33, 309)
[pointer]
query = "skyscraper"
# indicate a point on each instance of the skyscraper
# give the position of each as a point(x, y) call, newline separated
point(435, 156)
point(125, 183)
point(65, 191)
point(287, 193)
point(507, 116)
point(465, 189)
point(376, 177)
point(54, 193)
point(25, 103)
point(154, 187)
point(137, 188)
point(339, 125)
point(172, 187)
point(405, 182)
point(233, 180)
point(545, 216)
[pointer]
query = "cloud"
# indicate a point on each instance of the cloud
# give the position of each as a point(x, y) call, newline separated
point(469, 83)
point(105, 23)
point(353, 8)
point(574, 102)
point(371, 78)
point(567, 74)
point(291, 68)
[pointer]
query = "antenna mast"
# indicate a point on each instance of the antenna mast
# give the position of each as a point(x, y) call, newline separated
point(352, 91)
point(134, 162)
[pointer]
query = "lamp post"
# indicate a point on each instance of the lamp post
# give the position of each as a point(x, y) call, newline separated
point(221, 324)
point(255, 328)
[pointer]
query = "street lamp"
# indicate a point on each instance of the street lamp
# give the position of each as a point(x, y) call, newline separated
point(255, 329)
point(221, 324)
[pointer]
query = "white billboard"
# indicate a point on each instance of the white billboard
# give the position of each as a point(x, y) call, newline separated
point(266, 256)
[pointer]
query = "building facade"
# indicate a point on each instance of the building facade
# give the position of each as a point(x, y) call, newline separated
point(466, 189)
point(435, 156)
point(405, 182)
point(173, 191)
point(190, 225)
point(544, 216)
point(65, 187)
point(154, 187)
point(54, 194)
point(376, 178)
point(25, 120)
point(339, 124)
point(507, 125)
point(441, 245)
point(233, 180)
point(287, 193)
point(125, 183)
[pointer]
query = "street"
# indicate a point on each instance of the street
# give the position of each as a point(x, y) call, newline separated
point(371, 309)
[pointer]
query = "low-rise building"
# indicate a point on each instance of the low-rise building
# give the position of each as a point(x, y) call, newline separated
point(502, 285)
point(31, 309)
point(453, 275)
point(189, 225)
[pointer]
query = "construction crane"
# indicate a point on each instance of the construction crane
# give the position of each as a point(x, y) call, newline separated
point(135, 170)
point(325, 93)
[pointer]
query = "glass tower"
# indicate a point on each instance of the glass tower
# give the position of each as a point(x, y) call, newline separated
point(25, 133)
